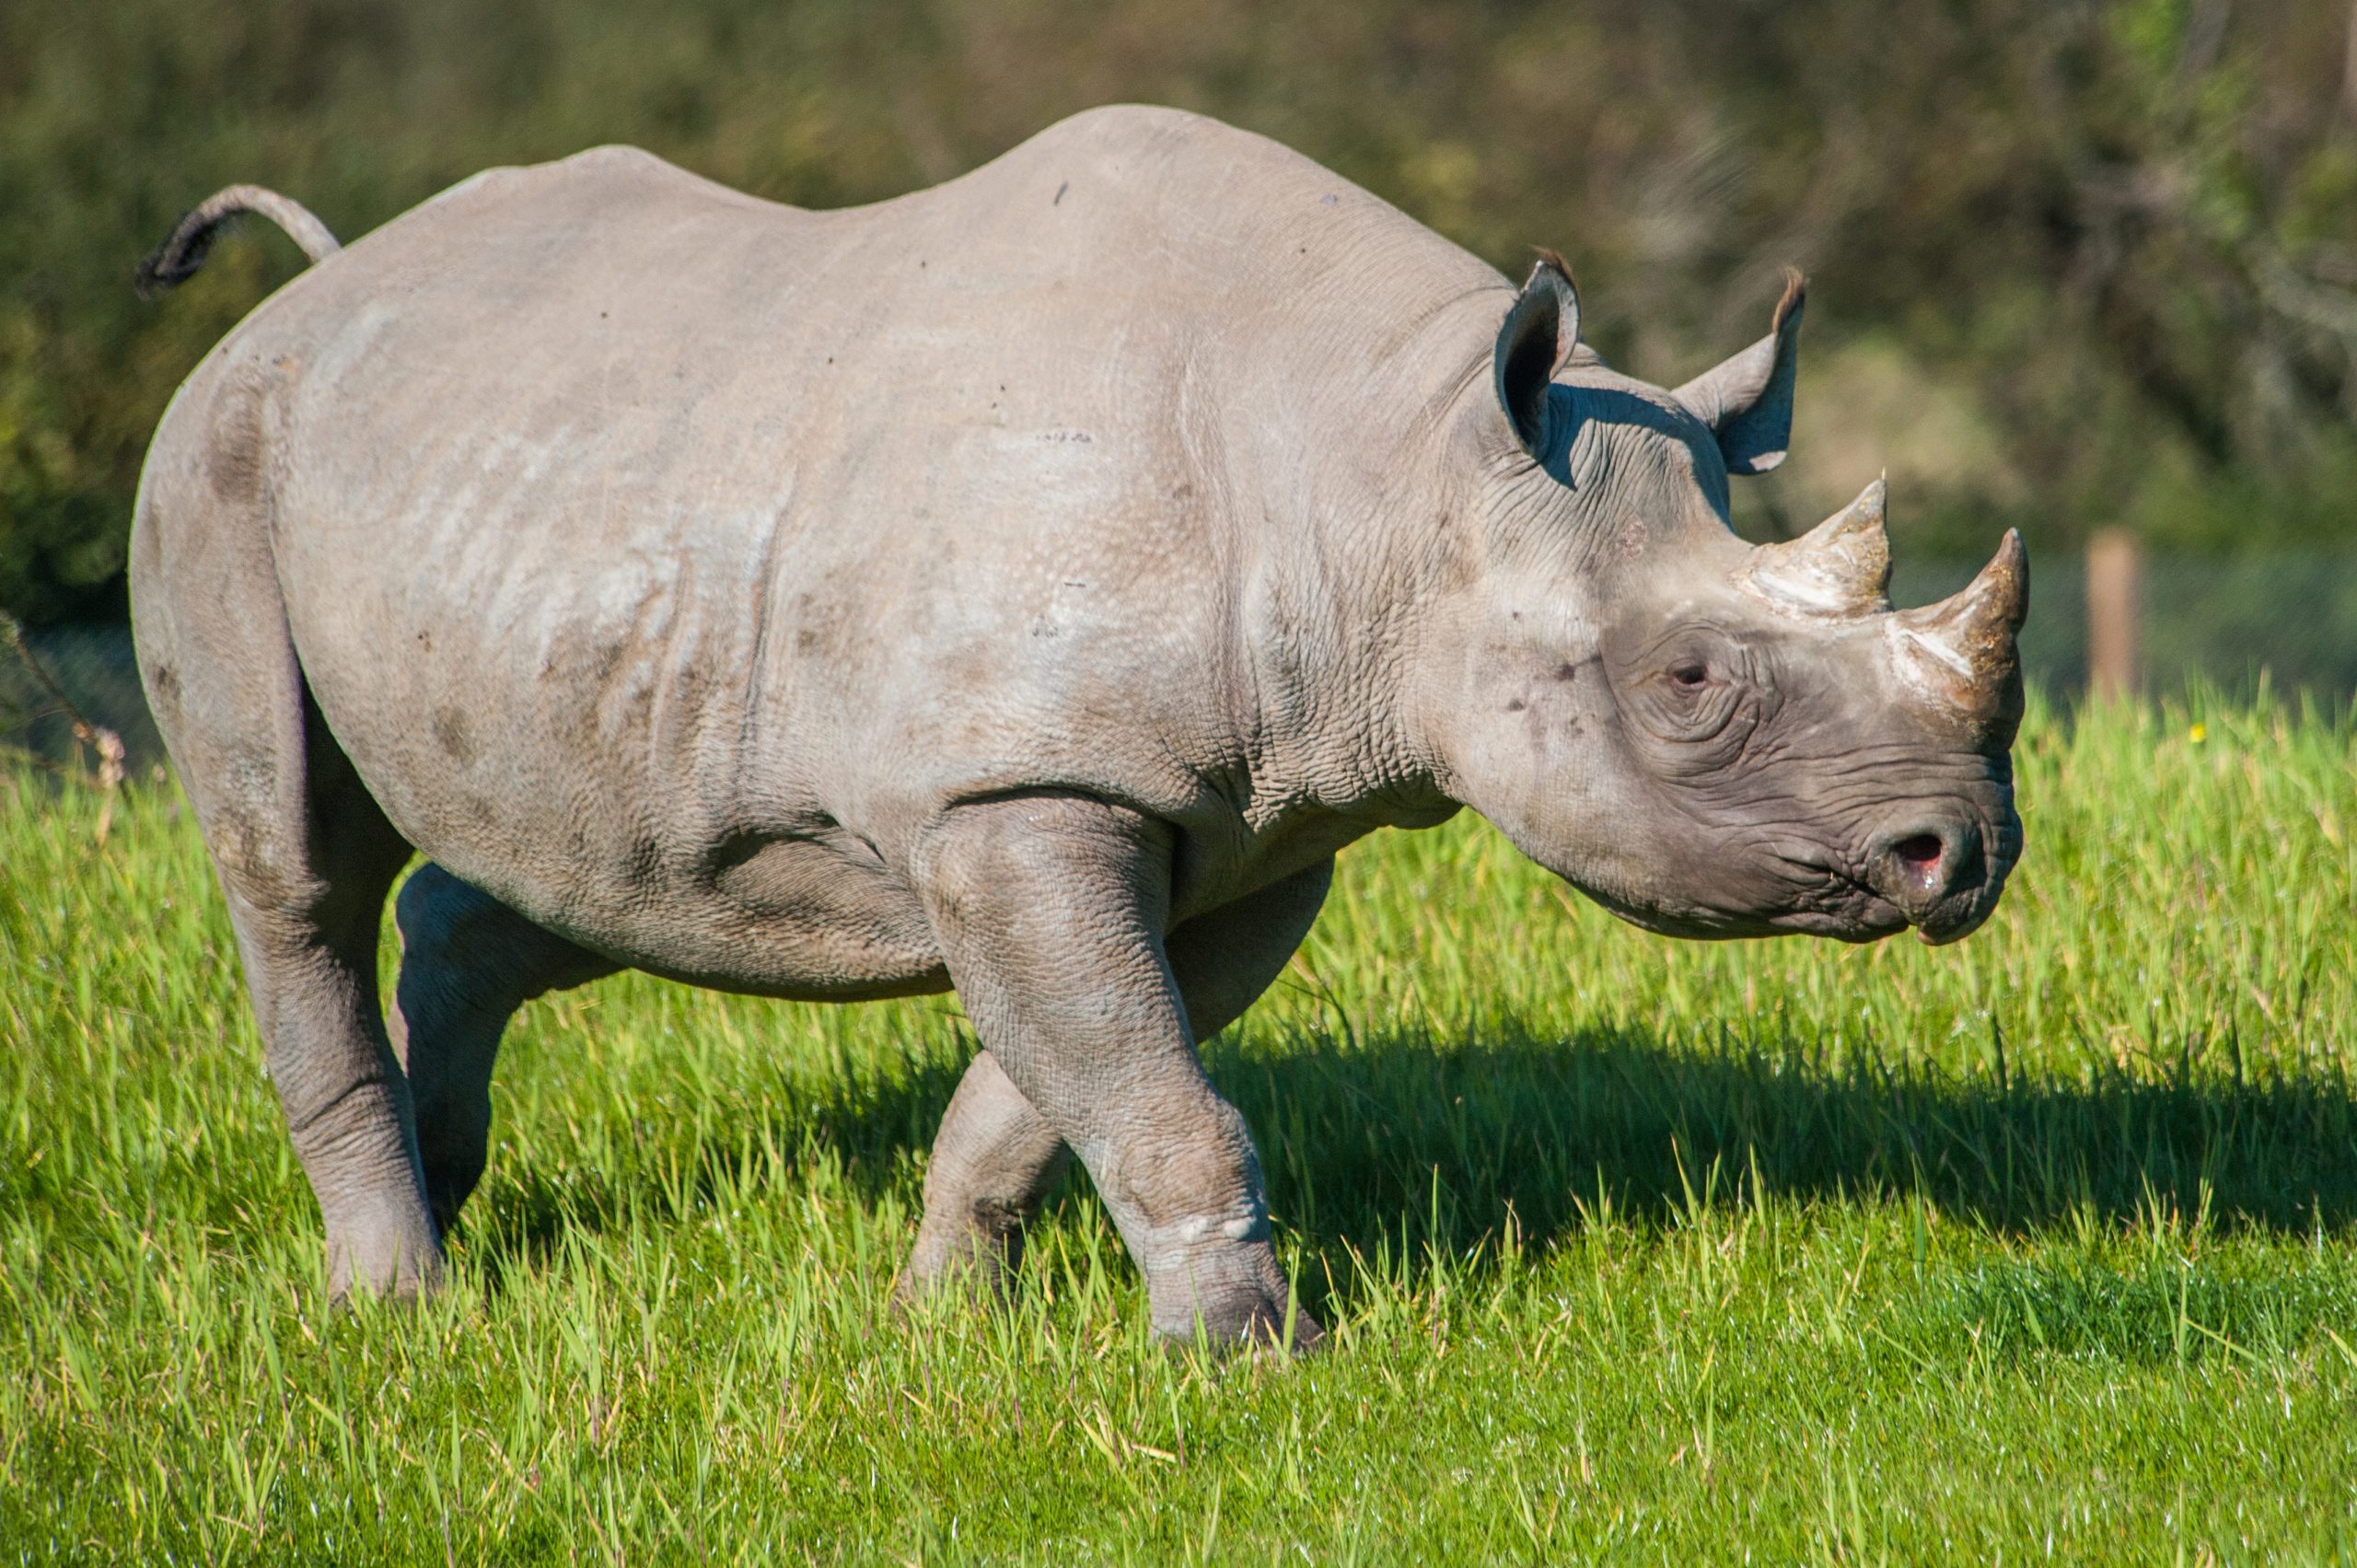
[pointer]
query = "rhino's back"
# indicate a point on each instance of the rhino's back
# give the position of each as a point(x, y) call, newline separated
point(629, 524)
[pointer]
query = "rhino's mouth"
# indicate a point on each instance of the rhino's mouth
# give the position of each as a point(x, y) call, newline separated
point(1938, 932)
point(1805, 890)
point(1864, 916)
point(1868, 914)
point(1842, 909)
point(1962, 912)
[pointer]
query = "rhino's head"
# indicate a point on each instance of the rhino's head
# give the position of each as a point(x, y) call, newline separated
point(1710, 739)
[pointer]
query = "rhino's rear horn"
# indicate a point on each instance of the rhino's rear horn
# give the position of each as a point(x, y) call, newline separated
point(1961, 652)
point(1842, 567)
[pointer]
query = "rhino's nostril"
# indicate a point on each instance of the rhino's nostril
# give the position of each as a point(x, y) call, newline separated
point(1920, 863)
point(1920, 855)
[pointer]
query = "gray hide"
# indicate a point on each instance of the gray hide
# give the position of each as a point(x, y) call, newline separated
point(1027, 586)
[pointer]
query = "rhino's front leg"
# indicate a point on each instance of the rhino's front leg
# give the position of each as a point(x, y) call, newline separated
point(997, 1159)
point(1049, 912)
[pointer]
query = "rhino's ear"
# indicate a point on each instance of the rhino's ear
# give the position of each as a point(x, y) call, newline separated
point(1747, 400)
point(1538, 337)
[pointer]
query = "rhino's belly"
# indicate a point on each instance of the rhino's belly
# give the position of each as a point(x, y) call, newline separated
point(789, 917)
point(808, 915)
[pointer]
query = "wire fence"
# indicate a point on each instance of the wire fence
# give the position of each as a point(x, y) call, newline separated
point(2290, 620)
point(67, 681)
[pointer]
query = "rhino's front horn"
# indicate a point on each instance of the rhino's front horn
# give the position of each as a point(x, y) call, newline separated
point(1842, 567)
point(1961, 651)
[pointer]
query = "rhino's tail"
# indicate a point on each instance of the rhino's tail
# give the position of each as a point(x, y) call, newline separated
point(177, 259)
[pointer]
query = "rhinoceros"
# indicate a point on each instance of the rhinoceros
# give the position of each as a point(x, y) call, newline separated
point(1026, 587)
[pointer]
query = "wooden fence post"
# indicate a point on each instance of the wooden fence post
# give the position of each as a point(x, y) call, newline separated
point(2115, 613)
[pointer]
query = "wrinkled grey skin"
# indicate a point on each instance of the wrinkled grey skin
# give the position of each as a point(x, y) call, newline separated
point(1027, 586)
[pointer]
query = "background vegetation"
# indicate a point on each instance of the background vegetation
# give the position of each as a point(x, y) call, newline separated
point(2040, 1246)
point(2080, 261)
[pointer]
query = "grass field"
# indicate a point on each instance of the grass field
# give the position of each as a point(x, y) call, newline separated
point(2041, 1246)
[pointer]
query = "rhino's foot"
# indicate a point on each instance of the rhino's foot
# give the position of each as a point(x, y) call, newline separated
point(361, 1157)
point(970, 1260)
point(388, 1251)
point(1228, 1297)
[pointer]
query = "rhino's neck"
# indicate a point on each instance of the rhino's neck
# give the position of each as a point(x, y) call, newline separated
point(1357, 528)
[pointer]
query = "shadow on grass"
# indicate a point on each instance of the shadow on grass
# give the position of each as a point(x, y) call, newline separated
point(1397, 1140)
point(1356, 1137)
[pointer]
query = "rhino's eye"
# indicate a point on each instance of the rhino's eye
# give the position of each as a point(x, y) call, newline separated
point(1690, 675)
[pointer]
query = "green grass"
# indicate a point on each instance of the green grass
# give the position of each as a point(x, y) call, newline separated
point(2045, 1245)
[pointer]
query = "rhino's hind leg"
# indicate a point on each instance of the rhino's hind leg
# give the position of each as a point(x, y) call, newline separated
point(997, 1160)
point(306, 912)
point(305, 857)
point(1223, 961)
point(468, 962)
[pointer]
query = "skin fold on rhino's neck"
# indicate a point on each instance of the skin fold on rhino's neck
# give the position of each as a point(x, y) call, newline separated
point(1352, 547)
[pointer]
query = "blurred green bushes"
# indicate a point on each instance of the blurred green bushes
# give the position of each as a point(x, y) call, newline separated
point(2077, 262)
